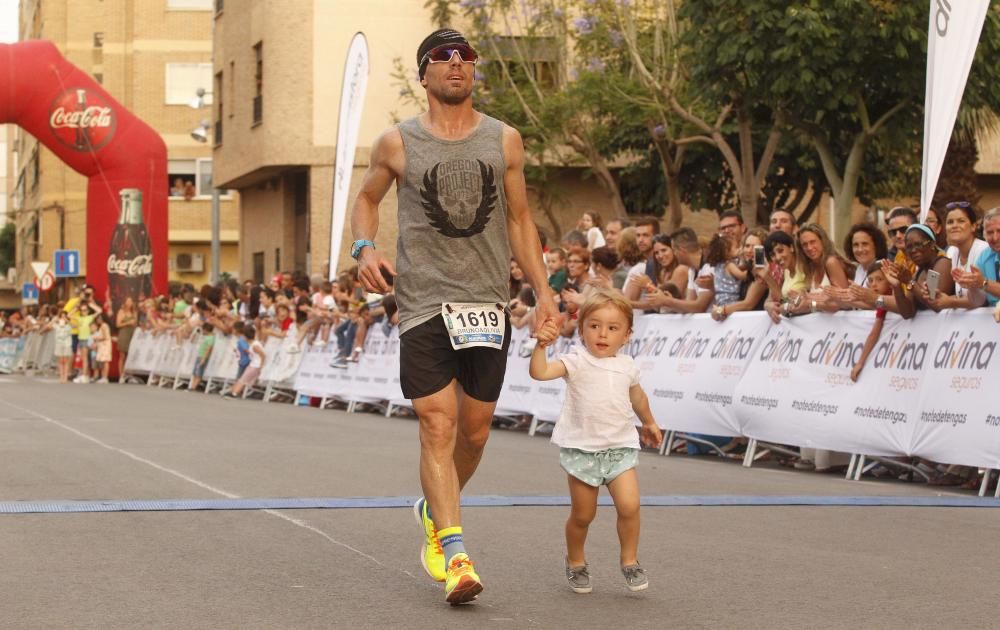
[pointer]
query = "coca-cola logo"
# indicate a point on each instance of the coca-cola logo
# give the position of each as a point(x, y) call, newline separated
point(82, 119)
point(131, 268)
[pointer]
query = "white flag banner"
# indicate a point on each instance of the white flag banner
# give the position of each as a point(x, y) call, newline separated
point(952, 37)
point(352, 101)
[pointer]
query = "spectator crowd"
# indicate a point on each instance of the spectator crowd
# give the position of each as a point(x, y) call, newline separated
point(950, 261)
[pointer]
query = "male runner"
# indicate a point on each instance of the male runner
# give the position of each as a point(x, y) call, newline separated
point(463, 211)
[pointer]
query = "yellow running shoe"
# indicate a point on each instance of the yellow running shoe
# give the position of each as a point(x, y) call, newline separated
point(431, 553)
point(463, 584)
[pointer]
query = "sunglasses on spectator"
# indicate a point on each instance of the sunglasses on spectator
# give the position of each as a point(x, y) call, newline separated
point(957, 204)
point(443, 54)
point(915, 246)
point(895, 231)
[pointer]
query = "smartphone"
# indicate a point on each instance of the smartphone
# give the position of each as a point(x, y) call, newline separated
point(933, 278)
point(388, 277)
point(759, 258)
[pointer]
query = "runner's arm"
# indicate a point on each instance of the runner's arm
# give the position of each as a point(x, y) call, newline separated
point(523, 233)
point(387, 158)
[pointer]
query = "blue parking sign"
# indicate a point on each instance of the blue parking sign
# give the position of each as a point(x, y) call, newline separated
point(66, 263)
point(29, 292)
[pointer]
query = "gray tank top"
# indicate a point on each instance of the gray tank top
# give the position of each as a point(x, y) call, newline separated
point(453, 244)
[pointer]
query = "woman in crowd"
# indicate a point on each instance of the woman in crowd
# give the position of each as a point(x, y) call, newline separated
point(633, 262)
point(922, 250)
point(780, 250)
point(964, 249)
point(125, 321)
point(577, 270)
point(666, 266)
point(753, 289)
point(516, 279)
point(604, 262)
point(821, 262)
point(103, 350)
point(935, 220)
point(864, 244)
point(590, 225)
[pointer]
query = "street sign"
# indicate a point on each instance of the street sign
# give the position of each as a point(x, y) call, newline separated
point(40, 267)
point(29, 293)
point(46, 281)
point(67, 263)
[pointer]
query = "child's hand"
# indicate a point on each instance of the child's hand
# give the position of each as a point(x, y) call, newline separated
point(856, 371)
point(650, 435)
point(547, 333)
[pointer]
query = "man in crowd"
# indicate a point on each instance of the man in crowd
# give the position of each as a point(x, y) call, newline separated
point(732, 228)
point(896, 222)
point(783, 220)
point(612, 229)
point(645, 229)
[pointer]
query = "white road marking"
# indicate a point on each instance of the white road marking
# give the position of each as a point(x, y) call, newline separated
point(191, 480)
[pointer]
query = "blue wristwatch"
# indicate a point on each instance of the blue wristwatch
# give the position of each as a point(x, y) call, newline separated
point(358, 245)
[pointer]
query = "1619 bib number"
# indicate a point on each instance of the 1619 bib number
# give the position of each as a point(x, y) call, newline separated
point(474, 325)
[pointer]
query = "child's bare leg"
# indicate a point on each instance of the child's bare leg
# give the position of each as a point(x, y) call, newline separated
point(583, 508)
point(625, 493)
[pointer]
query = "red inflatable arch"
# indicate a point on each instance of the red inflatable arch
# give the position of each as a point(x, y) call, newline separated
point(123, 157)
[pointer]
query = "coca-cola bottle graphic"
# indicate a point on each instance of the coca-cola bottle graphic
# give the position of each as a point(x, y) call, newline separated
point(81, 130)
point(130, 261)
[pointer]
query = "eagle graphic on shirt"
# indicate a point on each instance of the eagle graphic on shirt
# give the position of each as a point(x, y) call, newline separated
point(459, 197)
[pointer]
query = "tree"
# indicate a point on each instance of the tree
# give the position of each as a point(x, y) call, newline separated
point(7, 245)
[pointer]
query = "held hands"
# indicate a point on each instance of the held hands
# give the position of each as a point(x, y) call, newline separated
point(374, 271)
point(970, 280)
point(650, 435)
point(547, 333)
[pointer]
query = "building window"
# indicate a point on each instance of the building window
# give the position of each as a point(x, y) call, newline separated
point(258, 99)
point(183, 81)
point(258, 267)
point(218, 6)
point(191, 178)
point(98, 40)
point(534, 57)
point(190, 5)
point(99, 77)
point(218, 110)
point(33, 165)
point(277, 259)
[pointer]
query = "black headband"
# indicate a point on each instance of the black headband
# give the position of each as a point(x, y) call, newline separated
point(439, 37)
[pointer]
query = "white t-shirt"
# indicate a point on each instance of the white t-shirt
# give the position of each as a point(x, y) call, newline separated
point(595, 238)
point(256, 360)
point(978, 247)
point(635, 271)
point(597, 413)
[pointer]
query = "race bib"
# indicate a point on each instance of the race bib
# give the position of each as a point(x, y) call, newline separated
point(473, 325)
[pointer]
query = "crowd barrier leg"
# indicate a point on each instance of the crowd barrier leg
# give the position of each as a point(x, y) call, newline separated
point(388, 409)
point(986, 482)
point(533, 426)
point(751, 452)
point(859, 467)
point(668, 444)
point(850, 466)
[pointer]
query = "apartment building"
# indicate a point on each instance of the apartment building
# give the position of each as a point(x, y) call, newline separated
point(152, 56)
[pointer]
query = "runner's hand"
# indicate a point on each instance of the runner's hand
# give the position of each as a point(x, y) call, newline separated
point(372, 269)
point(546, 311)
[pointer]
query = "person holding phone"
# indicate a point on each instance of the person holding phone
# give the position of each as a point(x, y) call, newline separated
point(932, 276)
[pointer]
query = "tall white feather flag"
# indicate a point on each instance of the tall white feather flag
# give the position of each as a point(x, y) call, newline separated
point(952, 37)
point(352, 102)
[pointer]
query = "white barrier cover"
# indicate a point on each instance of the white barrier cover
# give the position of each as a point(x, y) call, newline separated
point(690, 366)
point(958, 419)
point(315, 376)
point(10, 349)
point(376, 375)
point(797, 389)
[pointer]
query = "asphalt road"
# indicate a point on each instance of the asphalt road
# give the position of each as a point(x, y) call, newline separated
point(709, 567)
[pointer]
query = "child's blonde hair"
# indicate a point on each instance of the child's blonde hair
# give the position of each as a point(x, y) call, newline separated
point(600, 298)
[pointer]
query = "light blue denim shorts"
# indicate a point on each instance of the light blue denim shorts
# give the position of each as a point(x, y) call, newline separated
point(598, 468)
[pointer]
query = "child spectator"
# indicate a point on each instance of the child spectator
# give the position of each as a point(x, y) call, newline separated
point(877, 281)
point(205, 347)
point(63, 332)
point(252, 371)
point(242, 349)
point(558, 274)
point(595, 432)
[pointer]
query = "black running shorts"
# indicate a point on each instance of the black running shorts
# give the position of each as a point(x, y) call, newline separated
point(427, 363)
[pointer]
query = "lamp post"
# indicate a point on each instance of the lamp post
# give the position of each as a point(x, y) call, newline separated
point(201, 135)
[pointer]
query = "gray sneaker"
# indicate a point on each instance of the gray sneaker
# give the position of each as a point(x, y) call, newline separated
point(579, 579)
point(635, 577)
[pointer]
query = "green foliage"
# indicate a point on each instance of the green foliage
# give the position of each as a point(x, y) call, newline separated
point(7, 245)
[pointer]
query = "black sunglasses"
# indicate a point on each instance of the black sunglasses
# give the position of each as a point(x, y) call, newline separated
point(895, 231)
